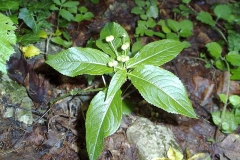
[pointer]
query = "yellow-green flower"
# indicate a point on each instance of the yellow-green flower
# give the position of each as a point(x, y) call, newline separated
point(125, 46)
point(110, 38)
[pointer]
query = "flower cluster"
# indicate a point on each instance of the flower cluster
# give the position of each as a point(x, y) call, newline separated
point(123, 58)
point(113, 63)
point(120, 58)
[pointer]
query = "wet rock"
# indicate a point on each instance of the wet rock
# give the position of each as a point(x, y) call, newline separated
point(151, 140)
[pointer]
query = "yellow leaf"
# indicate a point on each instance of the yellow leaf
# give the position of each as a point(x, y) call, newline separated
point(200, 156)
point(160, 159)
point(174, 154)
point(42, 34)
point(58, 32)
point(30, 51)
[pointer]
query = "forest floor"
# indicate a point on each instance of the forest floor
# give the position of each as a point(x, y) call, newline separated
point(61, 136)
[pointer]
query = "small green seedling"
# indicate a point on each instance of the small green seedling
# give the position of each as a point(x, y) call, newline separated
point(148, 11)
point(156, 85)
point(175, 30)
point(221, 62)
point(183, 9)
point(69, 11)
point(228, 121)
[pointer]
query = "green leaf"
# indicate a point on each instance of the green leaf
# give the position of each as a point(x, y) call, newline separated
point(66, 14)
point(137, 10)
point(116, 82)
point(223, 11)
point(78, 18)
point(60, 41)
point(223, 98)
point(9, 5)
point(53, 7)
point(186, 1)
point(72, 9)
point(234, 100)
point(229, 122)
point(103, 119)
point(186, 28)
point(173, 36)
point(156, 53)
point(174, 25)
point(7, 38)
point(95, 1)
point(88, 15)
point(63, 1)
point(151, 23)
point(166, 29)
point(76, 61)
point(149, 32)
point(234, 42)
point(57, 2)
point(152, 11)
point(28, 38)
point(235, 74)
point(162, 89)
point(127, 107)
point(140, 3)
point(234, 58)
point(136, 46)
point(205, 17)
point(83, 9)
point(28, 18)
point(214, 49)
point(219, 63)
point(120, 37)
point(71, 4)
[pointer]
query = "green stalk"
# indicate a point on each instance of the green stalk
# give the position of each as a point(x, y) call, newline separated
point(228, 87)
point(114, 49)
point(75, 92)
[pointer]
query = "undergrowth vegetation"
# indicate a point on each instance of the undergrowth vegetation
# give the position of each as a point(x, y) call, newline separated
point(25, 23)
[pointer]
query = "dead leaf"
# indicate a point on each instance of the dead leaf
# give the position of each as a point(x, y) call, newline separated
point(230, 146)
point(203, 88)
point(222, 86)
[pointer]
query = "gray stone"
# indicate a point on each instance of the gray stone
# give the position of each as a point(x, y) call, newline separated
point(151, 140)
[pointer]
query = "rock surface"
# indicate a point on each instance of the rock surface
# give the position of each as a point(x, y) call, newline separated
point(151, 140)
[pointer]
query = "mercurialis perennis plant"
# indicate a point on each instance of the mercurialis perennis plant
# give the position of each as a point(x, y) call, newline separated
point(157, 86)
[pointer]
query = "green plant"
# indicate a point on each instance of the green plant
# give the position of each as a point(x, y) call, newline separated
point(157, 86)
point(171, 29)
point(176, 30)
point(69, 11)
point(7, 38)
point(228, 120)
point(148, 11)
point(31, 18)
point(184, 9)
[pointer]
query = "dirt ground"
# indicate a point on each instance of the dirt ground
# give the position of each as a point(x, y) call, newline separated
point(62, 136)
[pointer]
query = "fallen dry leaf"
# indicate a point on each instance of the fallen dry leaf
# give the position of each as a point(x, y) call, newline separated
point(230, 146)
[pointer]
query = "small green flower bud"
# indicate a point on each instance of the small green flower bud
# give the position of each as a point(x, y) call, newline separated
point(125, 46)
point(110, 38)
point(119, 58)
point(112, 63)
point(125, 58)
point(115, 63)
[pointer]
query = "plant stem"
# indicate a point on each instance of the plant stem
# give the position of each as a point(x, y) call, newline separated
point(75, 92)
point(227, 93)
point(114, 49)
point(221, 33)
